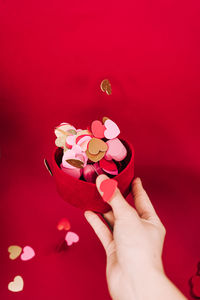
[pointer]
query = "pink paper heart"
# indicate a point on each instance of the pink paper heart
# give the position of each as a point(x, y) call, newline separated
point(108, 187)
point(75, 172)
point(70, 141)
point(74, 153)
point(28, 253)
point(112, 130)
point(71, 237)
point(116, 150)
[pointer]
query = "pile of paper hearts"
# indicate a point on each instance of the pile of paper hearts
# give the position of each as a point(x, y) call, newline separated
point(90, 152)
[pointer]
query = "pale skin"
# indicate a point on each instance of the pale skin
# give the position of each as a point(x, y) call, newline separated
point(133, 247)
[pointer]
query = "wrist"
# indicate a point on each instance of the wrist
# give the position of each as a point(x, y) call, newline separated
point(155, 285)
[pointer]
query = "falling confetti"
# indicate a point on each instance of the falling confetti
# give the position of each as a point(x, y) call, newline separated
point(106, 86)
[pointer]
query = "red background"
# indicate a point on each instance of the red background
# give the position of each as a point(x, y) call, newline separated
point(53, 56)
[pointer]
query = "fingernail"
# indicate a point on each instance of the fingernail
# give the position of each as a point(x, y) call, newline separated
point(108, 187)
point(136, 180)
point(86, 213)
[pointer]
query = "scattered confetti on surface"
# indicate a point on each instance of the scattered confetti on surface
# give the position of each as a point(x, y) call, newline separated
point(106, 86)
point(108, 187)
point(71, 237)
point(28, 253)
point(63, 224)
point(14, 251)
point(16, 285)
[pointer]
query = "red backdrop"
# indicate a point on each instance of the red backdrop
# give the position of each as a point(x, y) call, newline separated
point(53, 56)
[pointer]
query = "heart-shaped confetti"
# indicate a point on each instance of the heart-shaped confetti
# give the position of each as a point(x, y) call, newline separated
point(96, 145)
point(98, 129)
point(16, 285)
point(75, 172)
point(75, 163)
point(112, 130)
point(28, 253)
point(106, 86)
point(90, 172)
point(108, 166)
point(108, 187)
point(82, 138)
point(71, 131)
point(63, 224)
point(95, 158)
point(83, 132)
point(14, 251)
point(61, 132)
point(104, 119)
point(71, 237)
point(72, 156)
point(70, 141)
point(116, 150)
point(84, 145)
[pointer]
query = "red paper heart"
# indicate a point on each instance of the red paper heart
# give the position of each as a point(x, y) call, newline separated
point(108, 165)
point(108, 188)
point(98, 129)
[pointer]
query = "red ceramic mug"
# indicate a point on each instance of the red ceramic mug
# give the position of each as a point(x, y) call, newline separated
point(84, 194)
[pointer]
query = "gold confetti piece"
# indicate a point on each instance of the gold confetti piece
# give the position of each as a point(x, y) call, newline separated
point(75, 163)
point(61, 131)
point(14, 251)
point(95, 157)
point(106, 86)
point(47, 167)
point(72, 131)
point(16, 285)
point(104, 119)
point(95, 145)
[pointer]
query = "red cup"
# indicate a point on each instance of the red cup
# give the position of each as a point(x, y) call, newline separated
point(84, 194)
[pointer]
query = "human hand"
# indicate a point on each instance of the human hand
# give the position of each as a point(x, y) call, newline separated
point(133, 247)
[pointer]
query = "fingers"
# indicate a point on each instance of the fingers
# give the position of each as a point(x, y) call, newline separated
point(110, 219)
point(101, 230)
point(120, 206)
point(143, 204)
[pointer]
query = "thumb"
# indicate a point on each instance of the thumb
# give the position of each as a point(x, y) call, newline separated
point(120, 206)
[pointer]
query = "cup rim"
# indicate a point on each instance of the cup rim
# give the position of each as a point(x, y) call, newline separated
point(55, 165)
